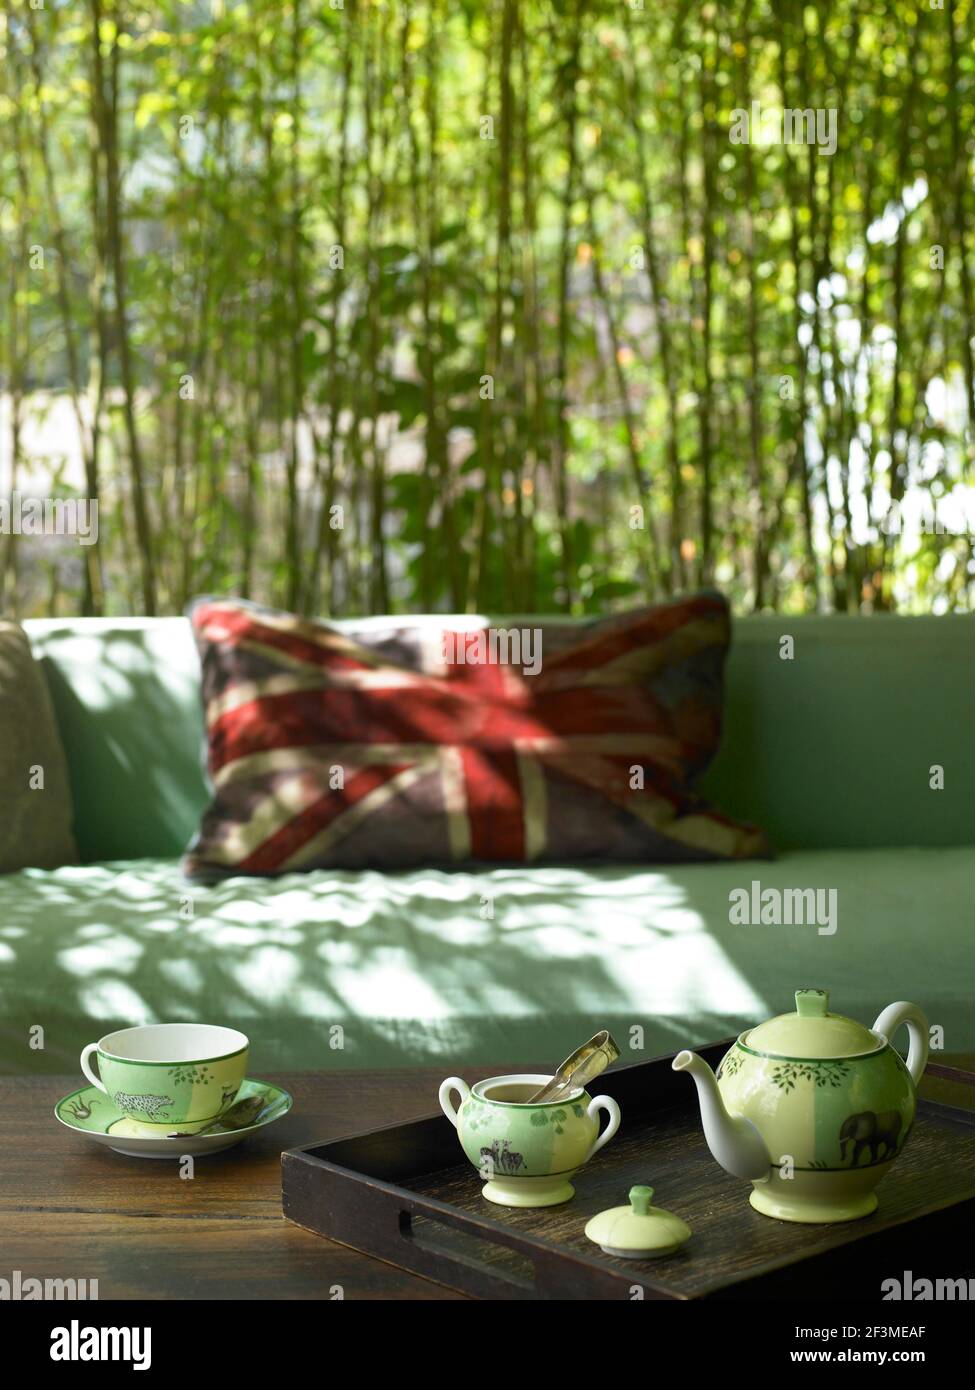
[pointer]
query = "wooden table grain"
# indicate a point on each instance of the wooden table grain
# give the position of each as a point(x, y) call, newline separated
point(72, 1209)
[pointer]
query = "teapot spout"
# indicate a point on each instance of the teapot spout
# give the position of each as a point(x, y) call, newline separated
point(733, 1140)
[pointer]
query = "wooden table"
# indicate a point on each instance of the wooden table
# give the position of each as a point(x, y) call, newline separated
point(71, 1209)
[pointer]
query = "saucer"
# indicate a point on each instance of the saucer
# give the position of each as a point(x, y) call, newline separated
point(92, 1113)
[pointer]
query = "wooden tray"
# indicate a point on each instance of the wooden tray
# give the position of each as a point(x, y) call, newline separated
point(406, 1194)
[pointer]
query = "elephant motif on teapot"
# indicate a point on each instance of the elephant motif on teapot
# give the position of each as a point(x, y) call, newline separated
point(869, 1132)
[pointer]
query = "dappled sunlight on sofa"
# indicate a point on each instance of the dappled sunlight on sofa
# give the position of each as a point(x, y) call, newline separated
point(411, 960)
point(352, 969)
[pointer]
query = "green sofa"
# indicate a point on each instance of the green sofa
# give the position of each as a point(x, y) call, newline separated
point(829, 750)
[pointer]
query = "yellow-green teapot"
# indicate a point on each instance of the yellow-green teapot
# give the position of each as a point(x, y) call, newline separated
point(812, 1107)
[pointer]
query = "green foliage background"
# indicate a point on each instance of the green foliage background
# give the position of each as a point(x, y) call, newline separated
point(475, 305)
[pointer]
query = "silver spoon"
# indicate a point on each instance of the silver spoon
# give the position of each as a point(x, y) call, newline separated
point(241, 1114)
point(579, 1068)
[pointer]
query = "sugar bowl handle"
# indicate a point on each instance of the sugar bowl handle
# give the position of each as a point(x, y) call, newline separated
point(891, 1019)
point(453, 1083)
point(608, 1104)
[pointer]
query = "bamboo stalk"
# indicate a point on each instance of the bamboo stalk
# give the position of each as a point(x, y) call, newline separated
point(570, 118)
point(490, 442)
point(896, 477)
point(534, 372)
point(706, 392)
point(425, 350)
point(374, 82)
point(959, 186)
point(797, 469)
point(759, 557)
point(635, 108)
point(297, 312)
point(18, 358)
point(641, 481)
point(326, 485)
point(93, 596)
point(105, 95)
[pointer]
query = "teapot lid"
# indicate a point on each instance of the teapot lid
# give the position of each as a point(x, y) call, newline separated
point(812, 1032)
point(639, 1231)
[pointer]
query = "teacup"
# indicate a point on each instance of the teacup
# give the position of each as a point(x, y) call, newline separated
point(170, 1074)
point(527, 1153)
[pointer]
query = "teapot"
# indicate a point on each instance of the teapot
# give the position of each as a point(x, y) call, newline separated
point(812, 1108)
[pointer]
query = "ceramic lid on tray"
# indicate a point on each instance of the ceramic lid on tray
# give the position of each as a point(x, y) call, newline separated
point(812, 1033)
point(639, 1231)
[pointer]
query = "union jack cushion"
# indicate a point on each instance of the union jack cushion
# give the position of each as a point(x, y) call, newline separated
point(397, 742)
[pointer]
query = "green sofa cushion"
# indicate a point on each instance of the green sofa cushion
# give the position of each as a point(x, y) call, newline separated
point(834, 747)
point(412, 971)
point(831, 748)
point(126, 693)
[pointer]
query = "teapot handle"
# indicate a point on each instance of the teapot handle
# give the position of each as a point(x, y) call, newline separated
point(891, 1019)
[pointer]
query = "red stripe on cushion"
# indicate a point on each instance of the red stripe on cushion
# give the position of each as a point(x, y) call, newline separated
point(279, 847)
point(302, 719)
point(494, 805)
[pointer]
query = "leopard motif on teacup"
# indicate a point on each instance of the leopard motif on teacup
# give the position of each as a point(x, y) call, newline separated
point(150, 1106)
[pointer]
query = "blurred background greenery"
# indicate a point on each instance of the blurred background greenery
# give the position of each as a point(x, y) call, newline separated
point(475, 305)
